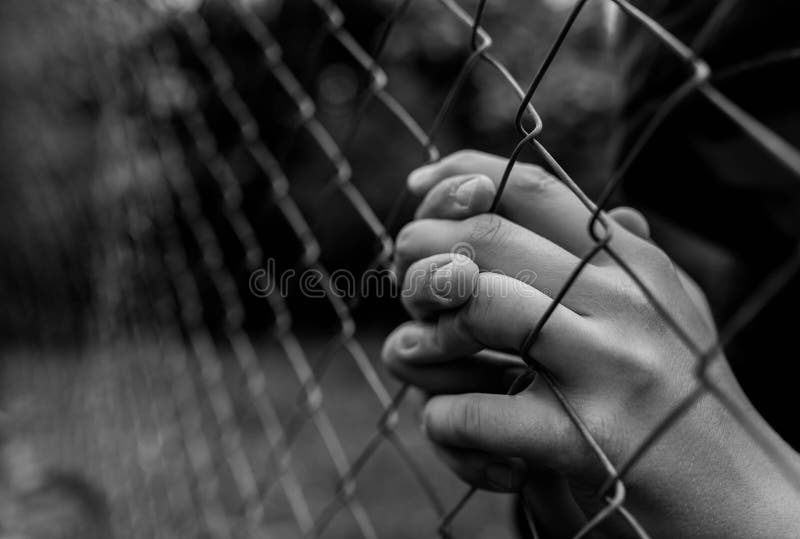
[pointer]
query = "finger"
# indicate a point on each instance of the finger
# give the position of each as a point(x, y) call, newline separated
point(472, 374)
point(458, 197)
point(636, 223)
point(484, 471)
point(547, 493)
point(530, 425)
point(437, 283)
point(496, 244)
point(532, 197)
point(631, 220)
point(499, 316)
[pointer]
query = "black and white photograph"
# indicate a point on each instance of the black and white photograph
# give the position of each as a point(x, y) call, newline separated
point(399, 269)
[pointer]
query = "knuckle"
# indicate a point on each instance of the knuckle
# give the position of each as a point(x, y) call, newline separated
point(658, 257)
point(463, 157)
point(636, 358)
point(569, 448)
point(643, 367)
point(637, 301)
point(627, 289)
point(464, 161)
point(481, 304)
point(534, 180)
point(602, 422)
point(450, 188)
point(488, 229)
point(466, 420)
point(656, 261)
point(639, 306)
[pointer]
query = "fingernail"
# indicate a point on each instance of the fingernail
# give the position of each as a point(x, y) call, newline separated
point(500, 476)
point(442, 281)
point(466, 191)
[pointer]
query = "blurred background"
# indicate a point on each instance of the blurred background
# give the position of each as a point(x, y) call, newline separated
point(54, 62)
point(94, 95)
point(148, 150)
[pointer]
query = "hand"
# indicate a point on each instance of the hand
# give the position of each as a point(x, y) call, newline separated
point(607, 349)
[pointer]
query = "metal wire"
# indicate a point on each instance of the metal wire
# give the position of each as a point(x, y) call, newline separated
point(212, 477)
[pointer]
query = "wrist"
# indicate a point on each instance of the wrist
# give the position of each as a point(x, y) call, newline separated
point(710, 477)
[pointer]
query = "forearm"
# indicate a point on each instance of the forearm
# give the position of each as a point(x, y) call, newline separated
point(710, 477)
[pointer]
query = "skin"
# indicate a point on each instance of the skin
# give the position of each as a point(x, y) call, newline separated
point(606, 348)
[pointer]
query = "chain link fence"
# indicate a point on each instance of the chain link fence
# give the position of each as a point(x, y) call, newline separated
point(204, 411)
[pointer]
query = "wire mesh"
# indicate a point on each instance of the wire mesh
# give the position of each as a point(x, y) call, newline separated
point(194, 469)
